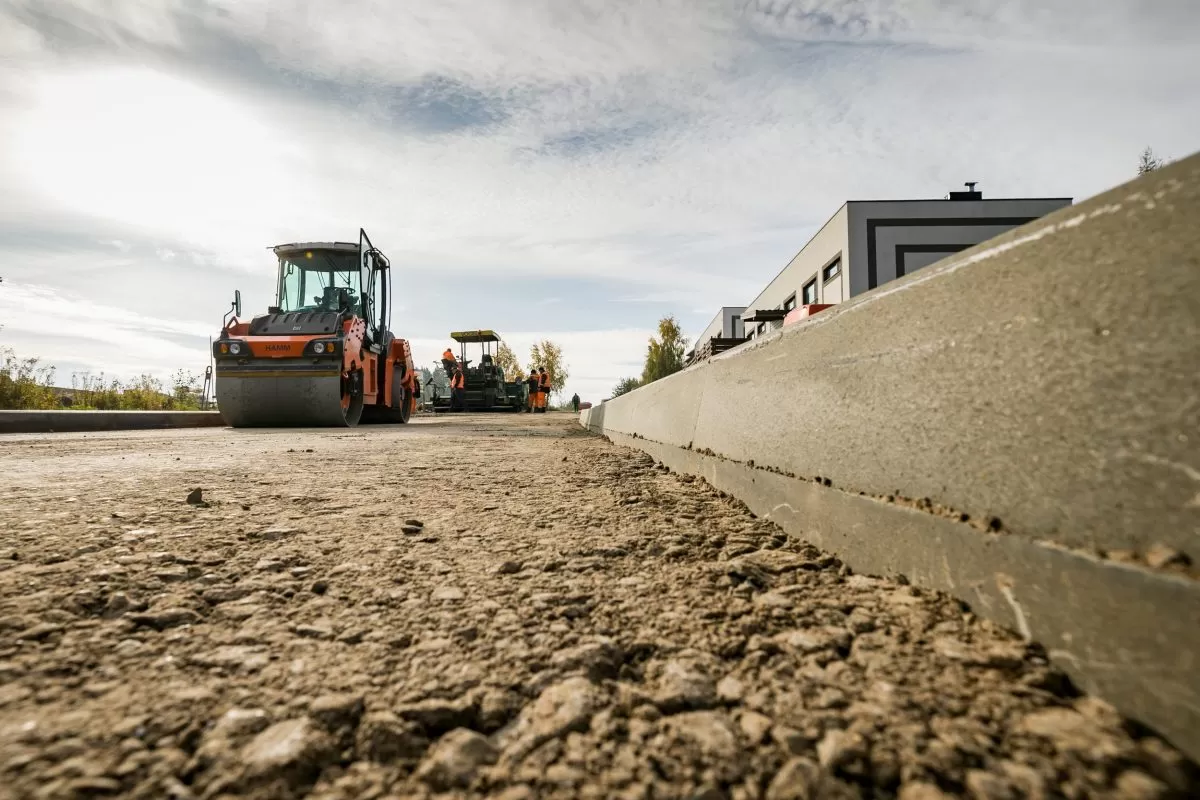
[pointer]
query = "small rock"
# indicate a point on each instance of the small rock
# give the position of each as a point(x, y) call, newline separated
point(234, 657)
point(838, 748)
point(448, 593)
point(118, 604)
point(318, 630)
point(509, 568)
point(225, 594)
point(1135, 785)
point(352, 636)
point(239, 722)
point(1159, 556)
point(1070, 731)
point(813, 640)
point(276, 534)
point(597, 660)
point(294, 747)
point(166, 618)
point(172, 575)
point(497, 707)
point(920, 790)
point(320, 587)
point(437, 716)
point(40, 632)
point(710, 731)
point(730, 690)
point(384, 738)
point(269, 565)
point(755, 726)
point(333, 711)
point(684, 685)
point(196, 498)
point(93, 785)
point(773, 600)
point(986, 786)
point(860, 621)
point(791, 740)
point(797, 779)
point(412, 530)
point(562, 708)
point(455, 759)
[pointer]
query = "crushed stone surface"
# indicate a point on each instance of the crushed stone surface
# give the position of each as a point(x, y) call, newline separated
point(490, 606)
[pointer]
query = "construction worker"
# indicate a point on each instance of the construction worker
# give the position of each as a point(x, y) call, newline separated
point(534, 383)
point(575, 402)
point(449, 363)
point(544, 386)
point(458, 390)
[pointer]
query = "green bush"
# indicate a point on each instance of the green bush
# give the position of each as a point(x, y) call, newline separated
point(26, 385)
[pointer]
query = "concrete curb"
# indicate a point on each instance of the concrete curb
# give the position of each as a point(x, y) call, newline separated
point(1042, 384)
point(86, 421)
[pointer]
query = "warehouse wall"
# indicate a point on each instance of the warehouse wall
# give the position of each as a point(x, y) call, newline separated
point(827, 245)
point(891, 238)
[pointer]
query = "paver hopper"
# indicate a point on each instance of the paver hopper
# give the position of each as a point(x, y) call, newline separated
point(485, 386)
point(324, 354)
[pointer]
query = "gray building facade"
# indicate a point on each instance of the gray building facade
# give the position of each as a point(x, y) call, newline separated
point(868, 243)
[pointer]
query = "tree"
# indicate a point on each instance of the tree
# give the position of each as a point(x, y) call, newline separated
point(549, 355)
point(625, 386)
point(1149, 162)
point(506, 360)
point(664, 356)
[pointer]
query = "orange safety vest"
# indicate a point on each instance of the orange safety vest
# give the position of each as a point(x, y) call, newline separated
point(448, 355)
point(457, 381)
point(544, 382)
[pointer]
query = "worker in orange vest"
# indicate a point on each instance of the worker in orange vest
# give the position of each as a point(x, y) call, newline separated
point(449, 362)
point(458, 390)
point(544, 385)
point(534, 383)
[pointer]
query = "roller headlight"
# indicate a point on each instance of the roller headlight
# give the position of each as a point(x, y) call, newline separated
point(235, 348)
point(325, 348)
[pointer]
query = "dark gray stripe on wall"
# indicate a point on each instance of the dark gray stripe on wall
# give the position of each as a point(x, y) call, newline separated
point(903, 250)
point(873, 225)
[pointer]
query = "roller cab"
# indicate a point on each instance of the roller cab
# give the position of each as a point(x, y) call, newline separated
point(323, 355)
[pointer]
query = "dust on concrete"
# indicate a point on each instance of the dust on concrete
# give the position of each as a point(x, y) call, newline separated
point(489, 606)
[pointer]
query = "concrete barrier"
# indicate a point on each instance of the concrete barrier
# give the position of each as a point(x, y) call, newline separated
point(76, 421)
point(1018, 425)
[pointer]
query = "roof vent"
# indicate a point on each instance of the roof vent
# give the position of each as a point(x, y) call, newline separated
point(970, 194)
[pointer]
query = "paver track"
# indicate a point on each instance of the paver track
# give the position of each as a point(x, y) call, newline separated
point(506, 607)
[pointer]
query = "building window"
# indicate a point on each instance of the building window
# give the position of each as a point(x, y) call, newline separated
point(790, 303)
point(734, 321)
point(762, 326)
point(830, 272)
point(810, 292)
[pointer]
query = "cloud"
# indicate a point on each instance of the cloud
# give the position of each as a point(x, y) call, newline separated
point(630, 157)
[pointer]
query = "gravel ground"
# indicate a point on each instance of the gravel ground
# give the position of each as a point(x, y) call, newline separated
point(496, 606)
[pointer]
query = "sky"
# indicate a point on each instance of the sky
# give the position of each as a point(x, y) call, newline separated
point(563, 169)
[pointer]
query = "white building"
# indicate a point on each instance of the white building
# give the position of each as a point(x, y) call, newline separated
point(868, 243)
